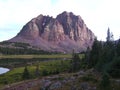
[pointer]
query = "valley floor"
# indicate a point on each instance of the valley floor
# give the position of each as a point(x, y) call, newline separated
point(82, 80)
point(68, 81)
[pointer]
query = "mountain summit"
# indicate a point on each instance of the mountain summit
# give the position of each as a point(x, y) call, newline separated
point(63, 33)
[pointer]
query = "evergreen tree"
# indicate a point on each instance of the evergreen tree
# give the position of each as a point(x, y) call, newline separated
point(108, 35)
point(26, 74)
point(118, 47)
point(113, 68)
point(44, 72)
point(105, 56)
point(75, 62)
point(94, 54)
point(37, 71)
point(87, 55)
point(105, 83)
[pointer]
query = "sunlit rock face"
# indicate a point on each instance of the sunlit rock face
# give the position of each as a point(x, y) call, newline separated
point(63, 33)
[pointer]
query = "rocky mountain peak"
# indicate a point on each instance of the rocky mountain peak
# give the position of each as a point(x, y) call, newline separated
point(63, 33)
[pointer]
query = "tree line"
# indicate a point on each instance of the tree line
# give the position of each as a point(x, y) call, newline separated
point(105, 56)
point(17, 51)
point(19, 48)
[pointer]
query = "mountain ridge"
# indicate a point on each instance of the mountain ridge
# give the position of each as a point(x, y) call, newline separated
point(63, 33)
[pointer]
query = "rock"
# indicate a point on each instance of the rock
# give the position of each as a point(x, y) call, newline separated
point(63, 33)
point(93, 88)
point(81, 72)
point(118, 81)
point(55, 85)
point(45, 84)
point(84, 86)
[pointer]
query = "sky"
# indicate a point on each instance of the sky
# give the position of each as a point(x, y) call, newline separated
point(98, 15)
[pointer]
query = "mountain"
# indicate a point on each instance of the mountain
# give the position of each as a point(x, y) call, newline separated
point(65, 33)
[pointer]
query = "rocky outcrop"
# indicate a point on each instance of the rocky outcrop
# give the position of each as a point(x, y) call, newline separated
point(63, 33)
point(64, 81)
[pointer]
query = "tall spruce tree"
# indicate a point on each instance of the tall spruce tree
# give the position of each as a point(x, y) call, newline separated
point(105, 83)
point(94, 53)
point(118, 47)
point(37, 71)
point(26, 74)
point(75, 63)
point(87, 55)
point(108, 38)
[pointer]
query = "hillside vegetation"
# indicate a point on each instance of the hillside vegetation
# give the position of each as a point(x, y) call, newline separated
point(97, 69)
point(18, 48)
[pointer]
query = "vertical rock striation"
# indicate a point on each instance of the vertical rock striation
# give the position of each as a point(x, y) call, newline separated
point(63, 33)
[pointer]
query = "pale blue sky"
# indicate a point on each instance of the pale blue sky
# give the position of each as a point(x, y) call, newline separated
point(97, 14)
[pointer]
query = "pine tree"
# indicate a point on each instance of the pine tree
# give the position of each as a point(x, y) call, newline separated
point(37, 72)
point(75, 62)
point(114, 68)
point(44, 72)
point(94, 53)
point(87, 55)
point(118, 47)
point(26, 74)
point(105, 83)
point(108, 35)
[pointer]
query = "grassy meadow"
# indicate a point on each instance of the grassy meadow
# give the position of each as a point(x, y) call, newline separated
point(45, 68)
point(36, 56)
point(48, 65)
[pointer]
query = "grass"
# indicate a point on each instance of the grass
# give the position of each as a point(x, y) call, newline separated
point(39, 56)
point(54, 64)
point(51, 66)
point(36, 56)
point(15, 75)
point(12, 61)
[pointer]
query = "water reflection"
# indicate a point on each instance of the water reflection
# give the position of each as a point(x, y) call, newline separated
point(3, 70)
